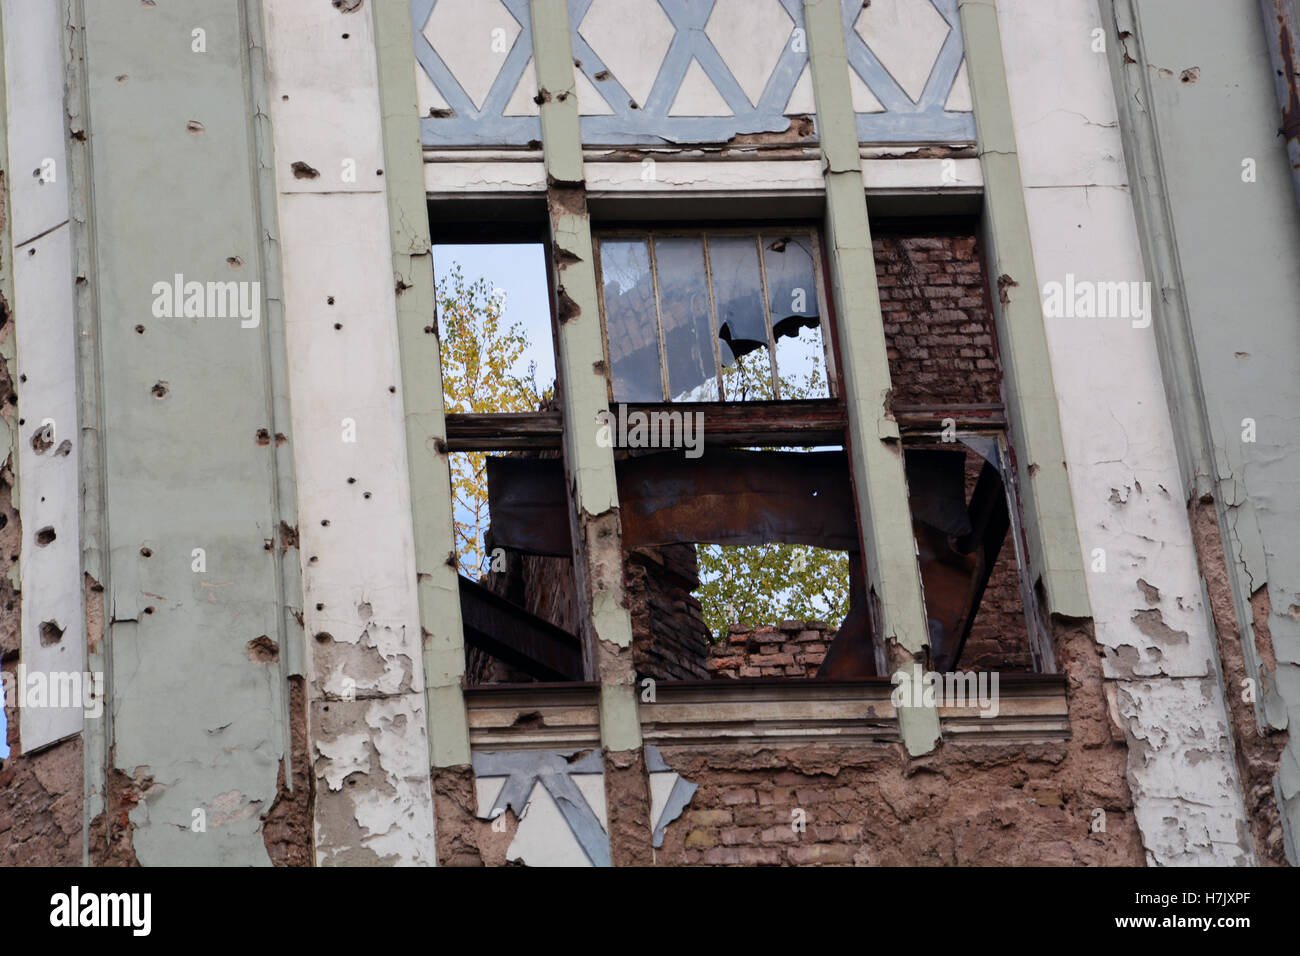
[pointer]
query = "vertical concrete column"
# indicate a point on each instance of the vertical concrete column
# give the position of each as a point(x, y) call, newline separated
point(422, 397)
point(589, 468)
point(1054, 554)
point(888, 546)
point(173, 316)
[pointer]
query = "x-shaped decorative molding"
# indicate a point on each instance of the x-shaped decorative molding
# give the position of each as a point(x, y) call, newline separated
point(674, 53)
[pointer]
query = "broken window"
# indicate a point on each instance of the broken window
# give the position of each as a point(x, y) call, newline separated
point(737, 504)
point(498, 366)
point(716, 315)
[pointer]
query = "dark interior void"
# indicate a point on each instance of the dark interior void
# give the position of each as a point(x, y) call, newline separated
point(523, 624)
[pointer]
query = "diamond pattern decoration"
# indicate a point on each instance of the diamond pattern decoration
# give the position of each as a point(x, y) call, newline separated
point(906, 36)
point(472, 37)
point(476, 55)
point(650, 72)
point(904, 59)
point(632, 55)
point(750, 35)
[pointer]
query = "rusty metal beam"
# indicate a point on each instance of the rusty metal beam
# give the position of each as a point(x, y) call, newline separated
point(725, 497)
point(810, 422)
point(522, 640)
point(1281, 28)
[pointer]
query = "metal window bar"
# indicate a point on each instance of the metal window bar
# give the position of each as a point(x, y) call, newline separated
point(649, 236)
point(713, 320)
point(767, 320)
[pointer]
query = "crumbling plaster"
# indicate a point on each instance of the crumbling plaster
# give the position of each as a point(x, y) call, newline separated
point(47, 440)
point(365, 664)
point(1150, 615)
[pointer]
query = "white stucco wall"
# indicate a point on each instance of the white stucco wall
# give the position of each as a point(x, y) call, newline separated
point(1159, 652)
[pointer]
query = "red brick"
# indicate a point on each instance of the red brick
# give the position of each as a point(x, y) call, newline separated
point(822, 853)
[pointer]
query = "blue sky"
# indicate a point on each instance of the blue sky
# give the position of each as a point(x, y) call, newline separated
point(520, 271)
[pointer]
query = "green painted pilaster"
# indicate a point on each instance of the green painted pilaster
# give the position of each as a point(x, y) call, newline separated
point(422, 396)
point(185, 408)
point(594, 519)
point(888, 545)
point(1055, 555)
point(97, 734)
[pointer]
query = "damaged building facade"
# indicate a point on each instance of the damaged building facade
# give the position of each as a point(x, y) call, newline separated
point(958, 292)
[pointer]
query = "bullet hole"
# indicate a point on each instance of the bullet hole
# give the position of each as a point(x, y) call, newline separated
point(284, 98)
point(302, 171)
point(337, 326)
point(352, 481)
point(195, 128)
point(324, 637)
point(325, 522)
point(320, 606)
point(346, 35)
point(602, 75)
point(121, 78)
point(443, 113)
point(364, 610)
point(4, 520)
point(22, 378)
point(64, 449)
point(280, 439)
point(51, 633)
point(366, 496)
point(1190, 75)
point(146, 553)
point(159, 389)
point(267, 544)
point(139, 330)
point(543, 96)
point(45, 536)
point(79, 135)
point(312, 560)
point(148, 3)
point(631, 104)
point(81, 280)
point(329, 300)
point(578, 64)
point(149, 610)
point(428, 330)
point(262, 650)
point(440, 446)
point(234, 262)
point(379, 172)
point(346, 6)
point(534, 144)
point(392, 389)
point(598, 367)
point(402, 286)
point(263, 437)
point(32, 251)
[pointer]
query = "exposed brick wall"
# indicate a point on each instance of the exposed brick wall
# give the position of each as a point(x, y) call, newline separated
point(964, 804)
point(791, 649)
point(938, 325)
point(670, 640)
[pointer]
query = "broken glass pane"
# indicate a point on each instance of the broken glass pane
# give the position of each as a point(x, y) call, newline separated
point(796, 324)
point(684, 307)
point(630, 323)
point(738, 295)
